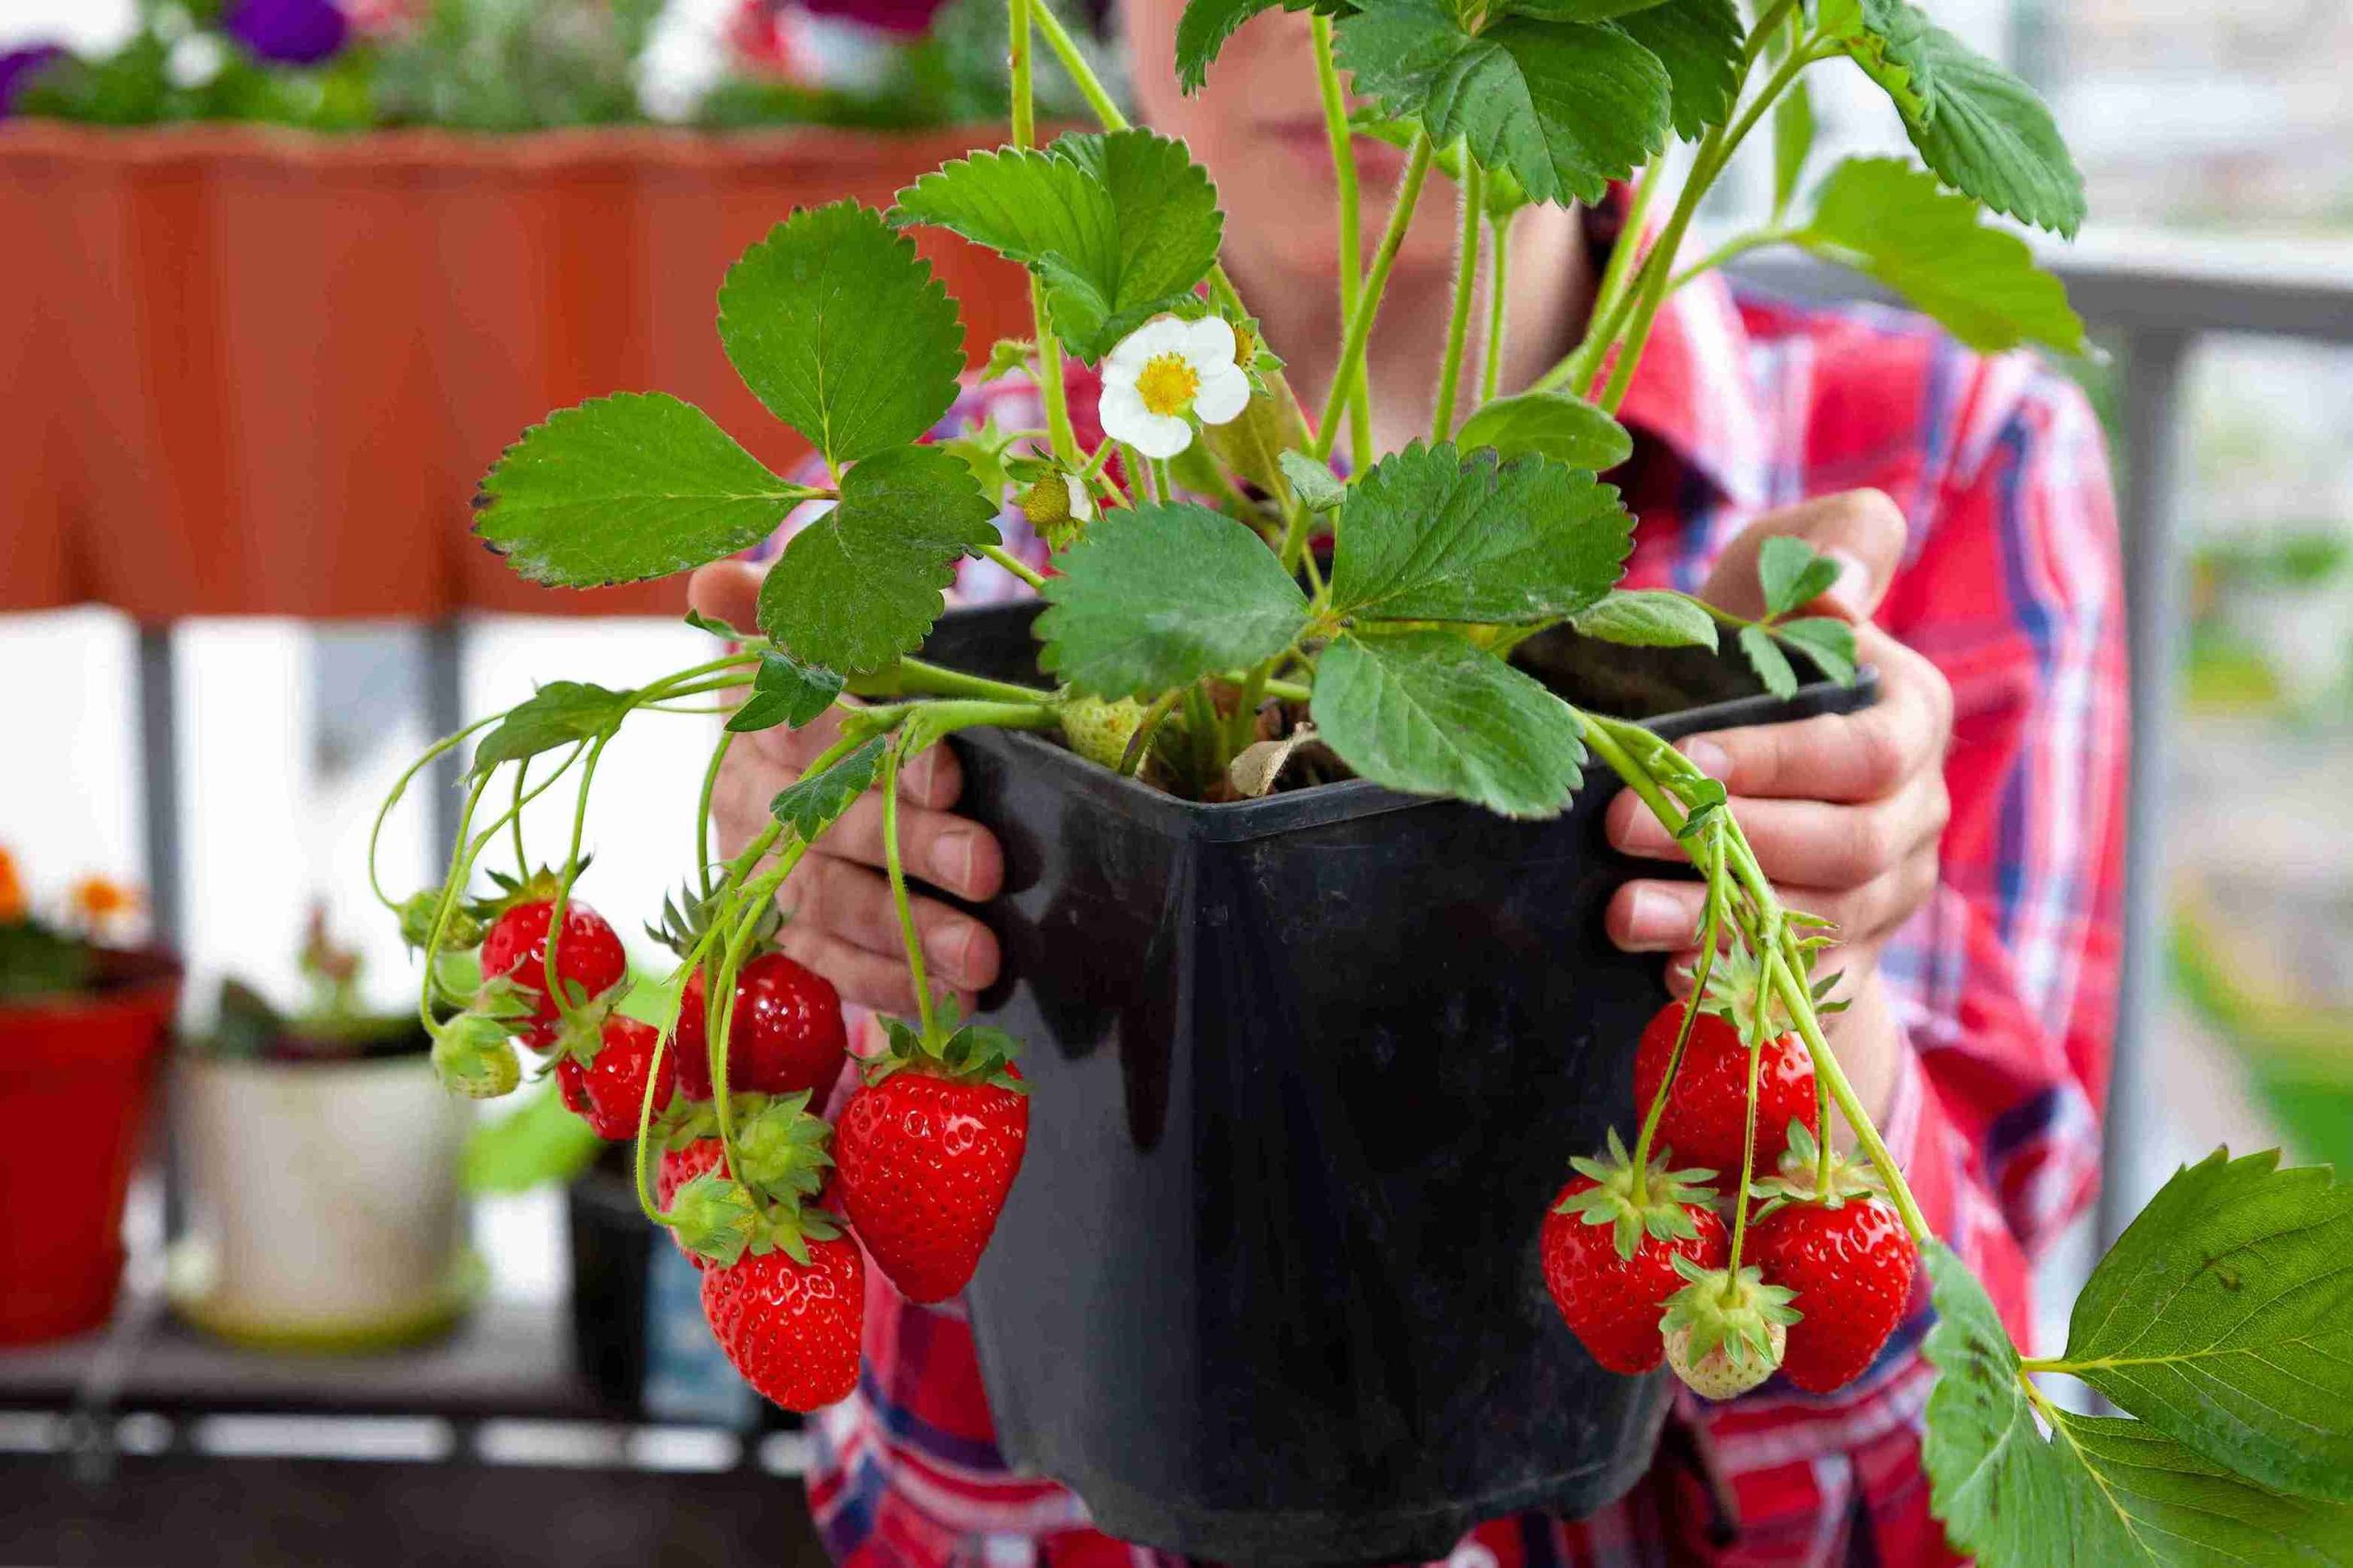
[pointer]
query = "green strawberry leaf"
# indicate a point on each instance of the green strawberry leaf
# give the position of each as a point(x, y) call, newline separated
point(1202, 30)
point(1153, 598)
point(2095, 1491)
point(1317, 487)
point(1426, 712)
point(1792, 574)
point(1121, 225)
point(1564, 107)
point(1828, 641)
point(1700, 42)
point(1772, 665)
point(841, 330)
point(861, 584)
point(561, 713)
point(2223, 1317)
point(1554, 425)
point(1430, 535)
point(810, 804)
point(623, 488)
point(1892, 221)
point(786, 692)
point(1983, 131)
point(1574, 10)
point(1646, 618)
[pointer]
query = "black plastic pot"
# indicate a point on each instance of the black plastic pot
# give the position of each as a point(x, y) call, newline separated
point(1307, 1070)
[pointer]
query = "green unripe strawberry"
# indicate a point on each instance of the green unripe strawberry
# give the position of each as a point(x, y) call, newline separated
point(1100, 730)
point(474, 1056)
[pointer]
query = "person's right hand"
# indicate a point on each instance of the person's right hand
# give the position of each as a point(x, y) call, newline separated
point(837, 901)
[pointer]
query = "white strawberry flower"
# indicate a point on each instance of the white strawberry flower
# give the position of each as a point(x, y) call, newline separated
point(1165, 375)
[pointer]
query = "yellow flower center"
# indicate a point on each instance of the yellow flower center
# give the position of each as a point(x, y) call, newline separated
point(1167, 383)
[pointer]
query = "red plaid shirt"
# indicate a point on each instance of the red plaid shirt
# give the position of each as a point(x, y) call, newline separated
point(2004, 984)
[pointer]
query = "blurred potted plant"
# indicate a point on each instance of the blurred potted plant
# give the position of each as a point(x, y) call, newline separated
point(83, 1025)
point(291, 267)
point(320, 1157)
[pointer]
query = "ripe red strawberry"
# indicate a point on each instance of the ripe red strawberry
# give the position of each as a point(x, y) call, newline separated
point(927, 1149)
point(1845, 1253)
point(608, 1090)
point(588, 957)
point(1610, 1262)
point(791, 1327)
point(786, 1036)
point(1707, 1112)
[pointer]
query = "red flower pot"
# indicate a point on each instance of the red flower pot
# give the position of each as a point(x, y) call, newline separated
point(76, 1077)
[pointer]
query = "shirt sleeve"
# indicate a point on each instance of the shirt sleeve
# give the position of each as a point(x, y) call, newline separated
point(2005, 983)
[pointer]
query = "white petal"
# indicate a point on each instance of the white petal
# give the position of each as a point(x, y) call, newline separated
point(1121, 411)
point(1209, 343)
point(1082, 506)
point(1158, 336)
point(1223, 395)
point(1160, 436)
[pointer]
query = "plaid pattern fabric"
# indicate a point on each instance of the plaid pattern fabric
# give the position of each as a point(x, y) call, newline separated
point(2005, 982)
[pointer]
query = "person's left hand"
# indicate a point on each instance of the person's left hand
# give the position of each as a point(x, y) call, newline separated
point(1844, 811)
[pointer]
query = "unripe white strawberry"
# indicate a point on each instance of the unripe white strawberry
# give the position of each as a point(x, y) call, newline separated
point(1100, 730)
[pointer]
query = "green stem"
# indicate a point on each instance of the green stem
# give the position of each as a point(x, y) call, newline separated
point(459, 859)
point(400, 788)
point(1014, 564)
point(914, 677)
point(1066, 49)
point(1610, 303)
point(1351, 219)
point(1490, 373)
point(1731, 250)
point(564, 1007)
point(1052, 390)
point(1147, 728)
point(1748, 1133)
point(1466, 282)
point(522, 857)
point(1711, 935)
point(900, 903)
point(1658, 271)
point(1608, 739)
point(702, 808)
point(1384, 258)
point(1160, 481)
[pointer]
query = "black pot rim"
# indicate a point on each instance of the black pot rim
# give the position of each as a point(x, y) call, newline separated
point(1220, 822)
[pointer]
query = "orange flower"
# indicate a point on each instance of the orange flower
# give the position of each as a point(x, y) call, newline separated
point(13, 906)
point(100, 900)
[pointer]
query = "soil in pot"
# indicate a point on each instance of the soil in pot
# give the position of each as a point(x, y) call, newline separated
point(1307, 1070)
point(77, 1075)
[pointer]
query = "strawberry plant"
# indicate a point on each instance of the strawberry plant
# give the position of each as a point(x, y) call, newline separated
point(1197, 643)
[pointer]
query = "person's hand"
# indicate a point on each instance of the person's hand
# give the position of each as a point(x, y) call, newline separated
point(841, 923)
point(1843, 810)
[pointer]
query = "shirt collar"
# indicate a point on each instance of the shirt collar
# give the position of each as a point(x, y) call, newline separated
point(1695, 391)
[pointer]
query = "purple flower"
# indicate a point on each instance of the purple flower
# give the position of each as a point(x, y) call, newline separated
point(294, 32)
point(18, 67)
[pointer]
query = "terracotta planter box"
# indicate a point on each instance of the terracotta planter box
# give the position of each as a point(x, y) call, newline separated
point(260, 372)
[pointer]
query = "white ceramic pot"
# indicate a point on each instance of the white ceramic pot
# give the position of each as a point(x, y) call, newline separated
point(323, 1202)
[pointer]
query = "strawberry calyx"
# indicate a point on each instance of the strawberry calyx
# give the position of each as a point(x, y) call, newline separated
point(473, 1055)
point(541, 885)
point(1799, 1177)
point(783, 1150)
point(1727, 1331)
point(964, 1053)
point(687, 916)
point(1737, 992)
point(1664, 1213)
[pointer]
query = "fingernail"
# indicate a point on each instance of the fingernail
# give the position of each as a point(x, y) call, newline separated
point(950, 949)
point(1852, 592)
point(951, 858)
point(1653, 917)
point(1707, 757)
